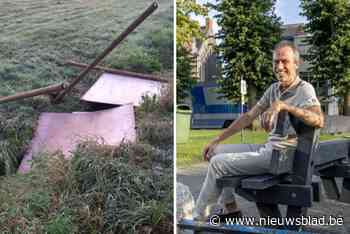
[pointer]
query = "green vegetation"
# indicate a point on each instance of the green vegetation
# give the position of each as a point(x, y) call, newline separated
point(249, 31)
point(184, 79)
point(329, 26)
point(191, 152)
point(38, 37)
point(186, 27)
point(103, 189)
point(186, 30)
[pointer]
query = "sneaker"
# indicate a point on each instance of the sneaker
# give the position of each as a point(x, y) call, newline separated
point(236, 214)
point(223, 217)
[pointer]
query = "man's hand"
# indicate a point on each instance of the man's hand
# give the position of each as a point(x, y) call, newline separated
point(269, 117)
point(311, 115)
point(278, 106)
point(267, 120)
point(240, 123)
point(208, 151)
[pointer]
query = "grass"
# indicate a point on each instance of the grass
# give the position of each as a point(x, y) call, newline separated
point(37, 37)
point(191, 152)
point(103, 189)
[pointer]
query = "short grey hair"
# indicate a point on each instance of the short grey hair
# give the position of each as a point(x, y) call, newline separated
point(291, 45)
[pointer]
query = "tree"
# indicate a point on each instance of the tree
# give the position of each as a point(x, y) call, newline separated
point(329, 24)
point(184, 81)
point(186, 30)
point(249, 30)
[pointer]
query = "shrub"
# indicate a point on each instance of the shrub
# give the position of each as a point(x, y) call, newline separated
point(160, 44)
point(149, 104)
point(158, 133)
point(166, 99)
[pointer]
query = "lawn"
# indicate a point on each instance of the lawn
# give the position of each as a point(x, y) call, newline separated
point(190, 152)
point(38, 37)
point(59, 196)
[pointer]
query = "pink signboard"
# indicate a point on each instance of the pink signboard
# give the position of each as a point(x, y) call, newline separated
point(63, 131)
point(121, 89)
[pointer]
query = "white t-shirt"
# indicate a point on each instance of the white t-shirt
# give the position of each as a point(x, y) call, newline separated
point(301, 94)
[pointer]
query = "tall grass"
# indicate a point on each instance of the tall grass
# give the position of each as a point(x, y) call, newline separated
point(103, 189)
point(37, 37)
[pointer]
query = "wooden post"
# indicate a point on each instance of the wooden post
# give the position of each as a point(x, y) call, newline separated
point(36, 92)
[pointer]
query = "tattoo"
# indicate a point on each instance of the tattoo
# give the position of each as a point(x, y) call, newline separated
point(311, 116)
point(255, 112)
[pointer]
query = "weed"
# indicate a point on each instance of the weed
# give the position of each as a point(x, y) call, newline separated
point(149, 104)
point(38, 202)
point(166, 99)
point(126, 193)
point(60, 224)
point(158, 133)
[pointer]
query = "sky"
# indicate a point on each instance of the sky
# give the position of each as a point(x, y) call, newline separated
point(288, 10)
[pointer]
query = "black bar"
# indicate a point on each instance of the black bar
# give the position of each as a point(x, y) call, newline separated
point(330, 187)
point(286, 194)
point(337, 170)
point(261, 182)
point(345, 194)
point(329, 151)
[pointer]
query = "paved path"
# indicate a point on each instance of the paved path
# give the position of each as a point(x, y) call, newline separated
point(194, 176)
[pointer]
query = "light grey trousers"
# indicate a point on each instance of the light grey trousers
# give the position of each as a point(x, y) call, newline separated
point(238, 159)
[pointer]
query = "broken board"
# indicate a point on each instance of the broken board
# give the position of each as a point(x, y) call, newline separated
point(121, 89)
point(63, 131)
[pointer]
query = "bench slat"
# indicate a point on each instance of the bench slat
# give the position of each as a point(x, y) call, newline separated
point(285, 194)
point(260, 182)
point(329, 151)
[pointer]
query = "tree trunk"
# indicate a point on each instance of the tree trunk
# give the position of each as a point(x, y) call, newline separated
point(347, 104)
point(252, 92)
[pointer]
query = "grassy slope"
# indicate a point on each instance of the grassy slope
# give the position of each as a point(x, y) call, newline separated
point(190, 152)
point(37, 37)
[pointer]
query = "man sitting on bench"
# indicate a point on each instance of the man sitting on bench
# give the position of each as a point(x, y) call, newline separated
point(289, 94)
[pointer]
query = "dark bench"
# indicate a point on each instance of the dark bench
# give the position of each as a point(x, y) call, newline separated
point(289, 181)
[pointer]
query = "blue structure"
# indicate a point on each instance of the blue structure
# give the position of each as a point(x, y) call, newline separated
point(211, 111)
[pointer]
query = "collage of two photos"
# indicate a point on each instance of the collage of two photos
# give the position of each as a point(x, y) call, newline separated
point(86, 116)
point(186, 116)
point(262, 126)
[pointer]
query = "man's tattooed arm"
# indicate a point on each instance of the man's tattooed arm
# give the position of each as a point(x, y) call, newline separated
point(312, 116)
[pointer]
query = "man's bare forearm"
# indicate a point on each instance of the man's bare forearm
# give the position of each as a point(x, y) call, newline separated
point(235, 127)
point(312, 117)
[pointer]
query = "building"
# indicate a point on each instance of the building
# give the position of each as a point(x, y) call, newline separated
point(206, 67)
